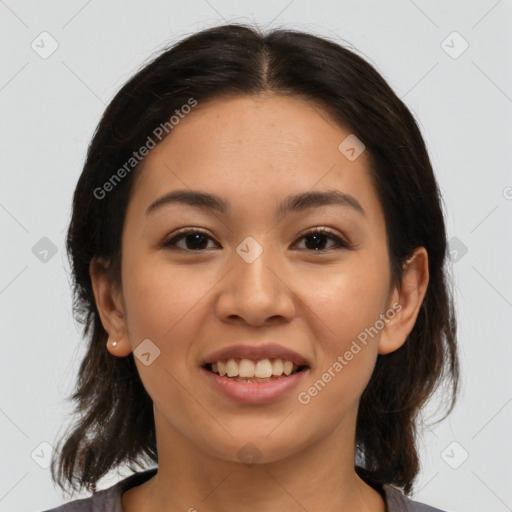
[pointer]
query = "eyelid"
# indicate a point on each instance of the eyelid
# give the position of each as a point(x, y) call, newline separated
point(342, 242)
point(182, 233)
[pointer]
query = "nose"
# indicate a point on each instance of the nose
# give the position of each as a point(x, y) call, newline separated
point(256, 292)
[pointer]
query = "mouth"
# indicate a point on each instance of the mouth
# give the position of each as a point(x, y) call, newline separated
point(260, 370)
point(251, 389)
point(255, 374)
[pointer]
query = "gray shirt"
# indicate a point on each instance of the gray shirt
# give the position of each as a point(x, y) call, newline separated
point(109, 500)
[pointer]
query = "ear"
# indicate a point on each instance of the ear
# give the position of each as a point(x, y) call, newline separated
point(109, 303)
point(405, 302)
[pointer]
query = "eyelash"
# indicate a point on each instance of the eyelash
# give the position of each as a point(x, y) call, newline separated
point(340, 243)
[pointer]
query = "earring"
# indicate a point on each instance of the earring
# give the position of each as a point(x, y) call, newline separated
point(114, 343)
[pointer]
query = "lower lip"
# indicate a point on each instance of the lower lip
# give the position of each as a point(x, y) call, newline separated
point(254, 392)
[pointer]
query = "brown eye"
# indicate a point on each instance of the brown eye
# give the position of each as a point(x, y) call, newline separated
point(194, 240)
point(317, 237)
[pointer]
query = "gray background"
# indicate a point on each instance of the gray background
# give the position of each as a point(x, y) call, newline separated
point(50, 107)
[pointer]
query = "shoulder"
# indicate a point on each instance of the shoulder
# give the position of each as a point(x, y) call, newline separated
point(396, 501)
point(81, 505)
point(106, 500)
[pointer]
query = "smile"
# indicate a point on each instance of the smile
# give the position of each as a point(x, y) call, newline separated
point(254, 382)
point(239, 369)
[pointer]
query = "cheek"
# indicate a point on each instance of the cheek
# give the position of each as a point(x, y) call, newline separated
point(347, 299)
point(332, 396)
point(160, 296)
point(163, 304)
point(347, 307)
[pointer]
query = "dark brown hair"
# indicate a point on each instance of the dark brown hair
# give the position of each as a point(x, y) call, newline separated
point(116, 423)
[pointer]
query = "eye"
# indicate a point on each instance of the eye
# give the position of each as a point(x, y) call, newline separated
point(195, 240)
point(316, 237)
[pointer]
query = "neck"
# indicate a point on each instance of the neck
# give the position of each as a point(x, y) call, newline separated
point(318, 477)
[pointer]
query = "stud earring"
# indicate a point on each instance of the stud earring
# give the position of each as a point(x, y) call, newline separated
point(114, 343)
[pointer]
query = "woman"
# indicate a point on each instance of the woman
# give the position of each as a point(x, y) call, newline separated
point(258, 252)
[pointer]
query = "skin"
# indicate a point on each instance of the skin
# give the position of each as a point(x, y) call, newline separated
point(254, 151)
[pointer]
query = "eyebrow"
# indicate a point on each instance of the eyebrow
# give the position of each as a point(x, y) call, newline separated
point(293, 203)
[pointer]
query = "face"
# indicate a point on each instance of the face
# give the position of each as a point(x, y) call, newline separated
point(196, 279)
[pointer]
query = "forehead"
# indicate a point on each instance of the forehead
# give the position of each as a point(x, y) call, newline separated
point(266, 127)
point(257, 147)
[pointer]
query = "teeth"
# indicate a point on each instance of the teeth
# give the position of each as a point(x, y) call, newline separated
point(288, 367)
point(263, 369)
point(277, 367)
point(232, 368)
point(245, 368)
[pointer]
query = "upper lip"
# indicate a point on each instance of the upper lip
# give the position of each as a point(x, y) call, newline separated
point(256, 352)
